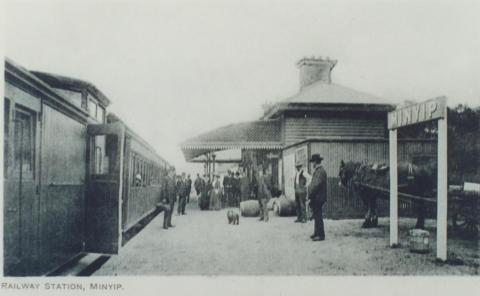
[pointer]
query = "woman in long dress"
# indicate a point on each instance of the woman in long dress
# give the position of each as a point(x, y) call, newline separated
point(215, 196)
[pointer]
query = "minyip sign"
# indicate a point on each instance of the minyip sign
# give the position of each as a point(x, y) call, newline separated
point(424, 111)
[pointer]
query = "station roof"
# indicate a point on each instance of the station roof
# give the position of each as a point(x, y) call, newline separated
point(262, 134)
point(326, 94)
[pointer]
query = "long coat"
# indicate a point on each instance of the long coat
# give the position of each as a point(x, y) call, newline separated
point(206, 188)
point(170, 190)
point(245, 188)
point(197, 185)
point(318, 187)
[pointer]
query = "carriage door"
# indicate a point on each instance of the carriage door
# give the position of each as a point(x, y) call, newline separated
point(104, 189)
point(21, 182)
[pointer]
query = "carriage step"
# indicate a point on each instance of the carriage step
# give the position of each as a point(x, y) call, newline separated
point(84, 264)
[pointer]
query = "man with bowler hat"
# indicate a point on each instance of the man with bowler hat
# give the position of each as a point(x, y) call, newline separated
point(170, 195)
point(317, 193)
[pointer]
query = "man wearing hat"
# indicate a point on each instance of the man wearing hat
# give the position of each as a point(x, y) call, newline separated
point(169, 197)
point(264, 194)
point(182, 194)
point(318, 195)
point(302, 180)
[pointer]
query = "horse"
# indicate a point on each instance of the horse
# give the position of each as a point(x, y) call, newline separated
point(412, 179)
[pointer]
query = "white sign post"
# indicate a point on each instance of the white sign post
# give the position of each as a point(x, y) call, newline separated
point(442, 190)
point(434, 109)
point(393, 188)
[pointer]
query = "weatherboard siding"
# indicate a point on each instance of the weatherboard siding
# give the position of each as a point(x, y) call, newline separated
point(298, 129)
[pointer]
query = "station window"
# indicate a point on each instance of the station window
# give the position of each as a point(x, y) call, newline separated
point(24, 141)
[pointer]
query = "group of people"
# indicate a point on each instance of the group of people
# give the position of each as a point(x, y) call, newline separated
point(214, 195)
point(313, 188)
point(174, 188)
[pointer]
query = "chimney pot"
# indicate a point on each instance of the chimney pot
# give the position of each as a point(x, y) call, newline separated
point(315, 69)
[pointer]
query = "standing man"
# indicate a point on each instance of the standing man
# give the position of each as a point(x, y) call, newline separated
point(169, 194)
point(205, 188)
point(189, 188)
point(197, 184)
point(318, 196)
point(236, 189)
point(244, 187)
point(182, 195)
point(264, 195)
point(302, 180)
point(227, 188)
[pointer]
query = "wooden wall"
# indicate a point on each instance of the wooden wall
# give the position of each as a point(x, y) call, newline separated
point(339, 203)
point(301, 128)
point(139, 201)
point(142, 201)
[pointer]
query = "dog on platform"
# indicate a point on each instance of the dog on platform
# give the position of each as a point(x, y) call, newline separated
point(233, 217)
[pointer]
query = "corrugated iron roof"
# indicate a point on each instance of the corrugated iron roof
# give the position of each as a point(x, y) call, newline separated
point(321, 92)
point(328, 95)
point(262, 134)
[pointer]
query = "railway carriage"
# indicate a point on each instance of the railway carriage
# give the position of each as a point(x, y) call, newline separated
point(124, 184)
point(70, 183)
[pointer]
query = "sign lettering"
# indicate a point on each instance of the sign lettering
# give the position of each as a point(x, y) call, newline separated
point(424, 111)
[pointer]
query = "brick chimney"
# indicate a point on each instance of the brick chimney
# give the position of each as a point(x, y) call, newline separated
point(315, 69)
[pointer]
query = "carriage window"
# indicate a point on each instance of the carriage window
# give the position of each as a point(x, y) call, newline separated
point(92, 108)
point(6, 135)
point(104, 152)
point(100, 113)
point(24, 141)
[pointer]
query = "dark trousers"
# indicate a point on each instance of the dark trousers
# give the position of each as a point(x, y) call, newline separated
point(263, 209)
point(318, 217)
point(165, 208)
point(237, 198)
point(169, 214)
point(300, 199)
point(182, 201)
point(229, 194)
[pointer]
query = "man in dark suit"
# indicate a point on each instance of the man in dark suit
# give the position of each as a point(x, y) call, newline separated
point(244, 187)
point(236, 189)
point(189, 188)
point(197, 185)
point(264, 194)
point(317, 192)
point(169, 197)
point(182, 194)
point(227, 188)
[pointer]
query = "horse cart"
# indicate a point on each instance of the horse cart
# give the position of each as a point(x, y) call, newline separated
point(463, 206)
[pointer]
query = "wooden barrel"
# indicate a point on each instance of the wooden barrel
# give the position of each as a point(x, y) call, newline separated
point(284, 207)
point(249, 208)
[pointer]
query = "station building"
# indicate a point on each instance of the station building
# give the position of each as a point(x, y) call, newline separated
point(338, 122)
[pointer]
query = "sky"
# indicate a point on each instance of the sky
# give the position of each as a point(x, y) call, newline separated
point(175, 69)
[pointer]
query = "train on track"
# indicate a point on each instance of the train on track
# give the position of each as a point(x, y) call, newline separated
point(76, 179)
